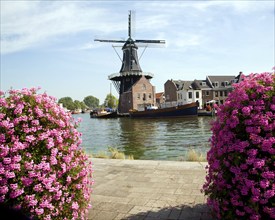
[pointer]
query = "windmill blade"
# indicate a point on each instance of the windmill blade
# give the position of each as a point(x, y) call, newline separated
point(150, 41)
point(110, 41)
point(129, 24)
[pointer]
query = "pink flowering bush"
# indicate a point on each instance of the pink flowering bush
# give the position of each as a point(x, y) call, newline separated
point(240, 183)
point(43, 170)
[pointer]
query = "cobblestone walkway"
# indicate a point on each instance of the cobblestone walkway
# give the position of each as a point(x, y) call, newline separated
point(141, 189)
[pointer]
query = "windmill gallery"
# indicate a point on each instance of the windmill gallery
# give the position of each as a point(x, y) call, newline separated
point(137, 95)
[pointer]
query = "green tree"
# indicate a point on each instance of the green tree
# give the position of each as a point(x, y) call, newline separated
point(91, 101)
point(68, 103)
point(83, 106)
point(77, 104)
point(110, 101)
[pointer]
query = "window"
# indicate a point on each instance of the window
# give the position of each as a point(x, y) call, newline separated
point(143, 86)
point(144, 96)
point(215, 84)
point(197, 95)
point(138, 96)
point(216, 94)
point(203, 83)
point(178, 96)
point(207, 93)
point(150, 96)
point(226, 83)
point(190, 95)
point(167, 97)
point(225, 93)
point(221, 93)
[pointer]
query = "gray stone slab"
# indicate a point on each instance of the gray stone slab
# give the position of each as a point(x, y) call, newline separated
point(137, 189)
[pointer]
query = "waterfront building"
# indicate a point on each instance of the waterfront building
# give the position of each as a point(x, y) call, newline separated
point(206, 91)
point(160, 99)
point(214, 89)
point(221, 86)
point(180, 92)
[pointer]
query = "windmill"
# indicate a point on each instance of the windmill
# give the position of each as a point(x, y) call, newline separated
point(131, 73)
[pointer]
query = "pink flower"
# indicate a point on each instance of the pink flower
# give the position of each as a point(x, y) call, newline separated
point(269, 194)
point(268, 175)
point(33, 202)
point(75, 205)
point(15, 166)
point(264, 183)
point(16, 193)
point(39, 211)
point(27, 181)
point(13, 186)
point(69, 179)
point(39, 146)
point(246, 111)
point(30, 138)
point(7, 160)
point(10, 175)
point(38, 188)
point(3, 189)
point(241, 169)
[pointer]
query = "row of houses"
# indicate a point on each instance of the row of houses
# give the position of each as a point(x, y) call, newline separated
point(214, 89)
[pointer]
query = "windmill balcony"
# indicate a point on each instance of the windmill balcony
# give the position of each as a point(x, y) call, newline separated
point(130, 73)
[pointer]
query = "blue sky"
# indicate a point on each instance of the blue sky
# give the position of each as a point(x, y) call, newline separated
point(50, 43)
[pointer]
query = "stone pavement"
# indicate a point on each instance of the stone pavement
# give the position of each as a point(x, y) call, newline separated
point(143, 189)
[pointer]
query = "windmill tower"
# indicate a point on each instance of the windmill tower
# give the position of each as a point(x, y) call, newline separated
point(132, 84)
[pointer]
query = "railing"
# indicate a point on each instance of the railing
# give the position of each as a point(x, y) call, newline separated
point(130, 73)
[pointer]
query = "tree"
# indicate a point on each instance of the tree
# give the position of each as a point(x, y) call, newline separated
point(110, 101)
point(83, 106)
point(77, 104)
point(67, 103)
point(91, 101)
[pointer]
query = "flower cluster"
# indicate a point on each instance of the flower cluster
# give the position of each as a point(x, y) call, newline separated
point(43, 170)
point(240, 183)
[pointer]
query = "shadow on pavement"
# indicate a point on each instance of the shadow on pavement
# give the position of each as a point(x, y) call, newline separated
point(184, 212)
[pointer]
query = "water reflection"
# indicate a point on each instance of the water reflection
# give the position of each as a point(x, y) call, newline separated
point(137, 135)
point(157, 139)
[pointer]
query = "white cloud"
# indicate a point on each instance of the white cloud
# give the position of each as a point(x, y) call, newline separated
point(28, 24)
point(38, 23)
point(240, 6)
point(182, 40)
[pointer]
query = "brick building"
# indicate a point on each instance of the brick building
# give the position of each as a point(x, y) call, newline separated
point(180, 92)
point(140, 95)
point(212, 89)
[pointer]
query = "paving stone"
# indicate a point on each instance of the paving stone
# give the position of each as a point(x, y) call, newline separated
point(138, 201)
point(140, 210)
point(104, 215)
point(175, 213)
point(126, 189)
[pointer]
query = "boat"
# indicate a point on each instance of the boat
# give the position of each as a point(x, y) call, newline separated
point(203, 112)
point(186, 110)
point(103, 114)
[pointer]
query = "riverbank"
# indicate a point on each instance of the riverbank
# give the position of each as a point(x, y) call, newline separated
point(146, 189)
point(113, 153)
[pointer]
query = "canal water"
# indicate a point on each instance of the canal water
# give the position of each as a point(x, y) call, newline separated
point(148, 139)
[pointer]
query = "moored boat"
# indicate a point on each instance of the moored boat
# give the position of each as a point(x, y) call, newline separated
point(103, 114)
point(203, 112)
point(186, 110)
